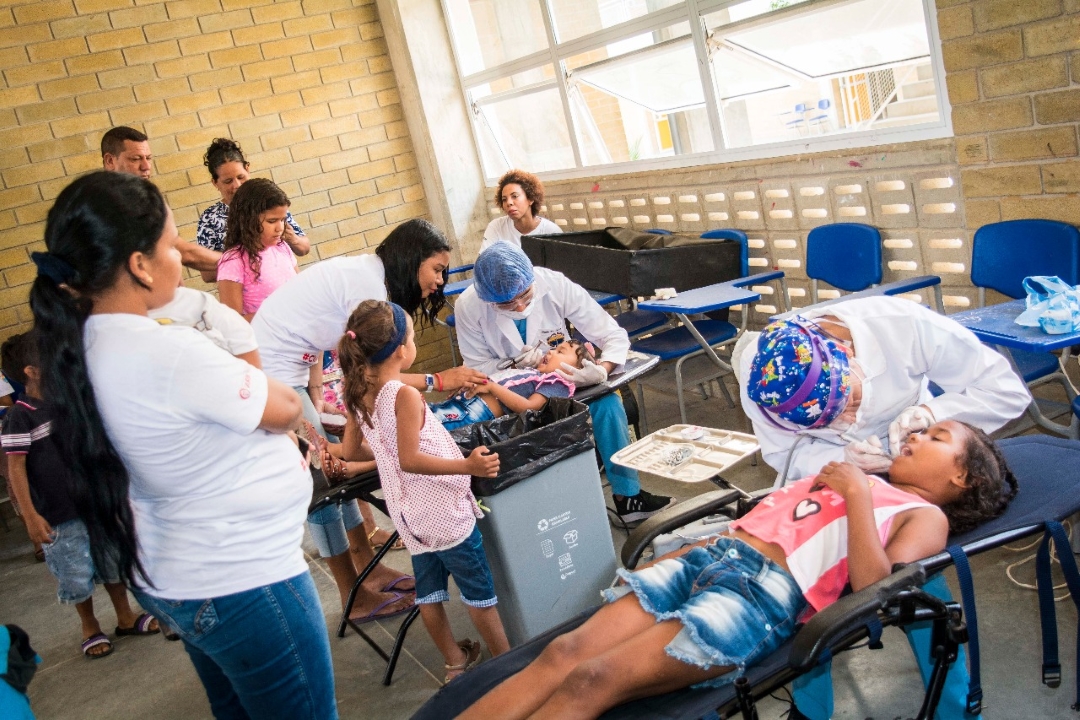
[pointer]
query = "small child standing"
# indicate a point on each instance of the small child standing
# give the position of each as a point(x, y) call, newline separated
point(257, 260)
point(516, 390)
point(425, 478)
point(41, 481)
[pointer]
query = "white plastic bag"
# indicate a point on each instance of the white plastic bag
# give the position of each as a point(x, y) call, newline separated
point(1052, 304)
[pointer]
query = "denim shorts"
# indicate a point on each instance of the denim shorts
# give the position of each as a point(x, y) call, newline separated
point(69, 560)
point(458, 410)
point(468, 564)
point(329, 525)
point(736, 606)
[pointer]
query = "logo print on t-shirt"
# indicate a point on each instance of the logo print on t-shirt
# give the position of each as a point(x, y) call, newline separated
point(805, 509)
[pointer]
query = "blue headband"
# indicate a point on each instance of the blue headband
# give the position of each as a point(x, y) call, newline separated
point(401, 326)
point(53, 267)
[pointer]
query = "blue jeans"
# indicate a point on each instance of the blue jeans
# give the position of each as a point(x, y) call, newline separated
point(261, 653)
point(612, 431)
point(813, 691)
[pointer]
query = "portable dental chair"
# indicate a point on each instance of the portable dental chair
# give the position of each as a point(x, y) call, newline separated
point(1045, 470)
point(365, 486)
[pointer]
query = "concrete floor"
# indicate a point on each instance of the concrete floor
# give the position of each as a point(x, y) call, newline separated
point(151, 678)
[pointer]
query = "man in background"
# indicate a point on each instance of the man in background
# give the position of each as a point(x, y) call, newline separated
point(126, 150)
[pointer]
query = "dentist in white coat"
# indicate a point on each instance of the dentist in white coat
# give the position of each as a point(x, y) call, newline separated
point(514, 311)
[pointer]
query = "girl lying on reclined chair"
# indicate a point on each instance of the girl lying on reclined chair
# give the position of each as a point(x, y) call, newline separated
point(700, 615)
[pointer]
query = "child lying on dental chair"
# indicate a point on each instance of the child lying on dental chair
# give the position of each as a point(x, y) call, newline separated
point(516, 390)
point(701, 615)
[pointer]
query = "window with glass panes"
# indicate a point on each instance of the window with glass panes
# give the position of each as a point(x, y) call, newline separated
point(577, 87)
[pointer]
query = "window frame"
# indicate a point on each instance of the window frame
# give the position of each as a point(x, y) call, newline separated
point(692, 12)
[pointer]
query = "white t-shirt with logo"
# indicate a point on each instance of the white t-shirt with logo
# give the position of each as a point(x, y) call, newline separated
point(307, 314)
point(219, 504)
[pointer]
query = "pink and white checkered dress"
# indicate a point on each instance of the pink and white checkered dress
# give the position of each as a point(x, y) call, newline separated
point(430, 512)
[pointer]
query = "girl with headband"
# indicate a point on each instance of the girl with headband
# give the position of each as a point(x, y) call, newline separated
point(425, 478)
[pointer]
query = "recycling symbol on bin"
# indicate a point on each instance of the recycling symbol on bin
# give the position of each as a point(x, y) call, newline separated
point(542, 525)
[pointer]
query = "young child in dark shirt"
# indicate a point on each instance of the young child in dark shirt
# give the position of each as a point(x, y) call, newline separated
point(40, 480)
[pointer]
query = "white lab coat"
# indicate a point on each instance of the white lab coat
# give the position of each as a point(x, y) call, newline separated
point(901, 346)
point(486, 336)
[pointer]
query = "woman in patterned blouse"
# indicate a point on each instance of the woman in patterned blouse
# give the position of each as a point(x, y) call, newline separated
point(228, 171)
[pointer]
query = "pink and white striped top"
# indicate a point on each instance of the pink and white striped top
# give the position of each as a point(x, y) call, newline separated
point(809, 521)
point(430, 512)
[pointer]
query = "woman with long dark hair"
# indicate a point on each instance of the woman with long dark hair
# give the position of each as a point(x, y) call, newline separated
point(306, 316)
point(182, 468)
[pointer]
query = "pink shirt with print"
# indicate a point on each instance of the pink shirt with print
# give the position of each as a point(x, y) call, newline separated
point(278, 265)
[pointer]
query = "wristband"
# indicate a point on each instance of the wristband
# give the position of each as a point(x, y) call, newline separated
point(438, 381)
point(429, 381)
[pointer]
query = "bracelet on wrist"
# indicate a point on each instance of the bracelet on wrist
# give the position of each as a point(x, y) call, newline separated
point(438, 381)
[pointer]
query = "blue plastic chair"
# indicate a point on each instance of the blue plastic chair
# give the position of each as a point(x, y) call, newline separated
point(680, 345)
point(845, 255)
point(453, 289)
point(822, 117)
point(1002, 255)
point(800, 110)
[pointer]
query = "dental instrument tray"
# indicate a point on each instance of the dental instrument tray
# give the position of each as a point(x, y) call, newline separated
point(687, 453)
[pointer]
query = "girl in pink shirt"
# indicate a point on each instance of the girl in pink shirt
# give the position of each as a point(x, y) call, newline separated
point(701, 615)
point(256, 261)
point(425, 479)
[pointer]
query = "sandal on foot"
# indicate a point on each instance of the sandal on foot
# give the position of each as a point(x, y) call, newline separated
point(392, 586)
point(399, 544)
point(472, 651)
point(141, 626)
point(97, 640)
point(385, 609)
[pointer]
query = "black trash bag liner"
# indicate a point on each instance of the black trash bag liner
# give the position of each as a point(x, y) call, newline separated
point(634, 240)
point(528, 442)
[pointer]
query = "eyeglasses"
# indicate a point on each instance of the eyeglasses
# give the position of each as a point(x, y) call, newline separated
point(523, 299)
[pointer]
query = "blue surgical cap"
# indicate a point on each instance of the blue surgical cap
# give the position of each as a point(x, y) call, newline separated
point(502, 272)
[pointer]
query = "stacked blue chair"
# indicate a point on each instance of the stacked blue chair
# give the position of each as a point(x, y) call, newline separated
point(1002, 255)
point(679, 344)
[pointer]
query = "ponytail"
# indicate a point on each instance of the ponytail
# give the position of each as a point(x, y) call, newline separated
point(96, 224)
point(369, 329)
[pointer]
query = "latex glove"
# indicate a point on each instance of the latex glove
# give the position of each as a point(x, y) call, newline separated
point(530, 356)
point(911, 419)
point(868, 455)
point(588, 374)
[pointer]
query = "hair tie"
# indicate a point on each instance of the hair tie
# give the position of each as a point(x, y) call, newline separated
point(396, 340)
point(53, 267)
point(351, 334)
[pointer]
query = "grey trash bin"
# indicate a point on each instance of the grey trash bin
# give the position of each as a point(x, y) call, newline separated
point(546, 535)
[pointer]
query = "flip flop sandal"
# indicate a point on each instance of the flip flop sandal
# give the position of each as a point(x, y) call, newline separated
point(392, 586)
point(473, 653)
point(141, 626)
point(94, 641)
point(399, 544)
point(376, 615)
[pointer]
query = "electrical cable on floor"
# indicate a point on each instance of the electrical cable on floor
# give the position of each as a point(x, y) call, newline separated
point(1053, 559)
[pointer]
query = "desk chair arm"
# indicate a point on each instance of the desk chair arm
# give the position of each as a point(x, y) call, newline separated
point(764, 278)
point(893, 288)
point(460, 269)
point(850, 613)
point(672, 518)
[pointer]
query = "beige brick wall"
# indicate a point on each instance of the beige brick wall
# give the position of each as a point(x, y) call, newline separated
point(1013, 71)
point(305, 87)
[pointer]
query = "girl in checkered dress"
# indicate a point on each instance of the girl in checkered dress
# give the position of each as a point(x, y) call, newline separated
point(425, 478)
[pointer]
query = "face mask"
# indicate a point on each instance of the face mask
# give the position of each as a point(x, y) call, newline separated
point(517, 315)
